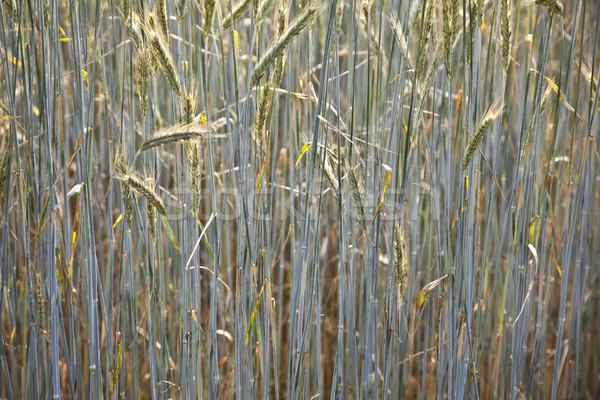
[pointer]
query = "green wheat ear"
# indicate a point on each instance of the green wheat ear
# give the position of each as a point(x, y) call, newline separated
point(163, 17)
point(278, 47)
point(357, 190)
point(165, 61)
point(141, 187)
point(399, 249)
point(480, 131)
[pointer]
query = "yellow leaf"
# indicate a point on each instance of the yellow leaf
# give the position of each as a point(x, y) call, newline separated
point(36, 111)
point(118, 364)
point(561, 96)
point(254, 314)
point(174, 240)
point(119, 218)
point(236, 39)
point(424, 292)
point(260, 174)
point(386, 183)
point(304, 150)
point(532, 229)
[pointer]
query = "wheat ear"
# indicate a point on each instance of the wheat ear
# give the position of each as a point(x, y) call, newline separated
point(506, 31)
point(123, 170)
point(140, 187)
point(209, 12)
point(175, 134)
point(399, 249)
point(449, 18)
point(357, 190)
point(266, 96)
point(278, 47)
point(482, 127)
point(238, 9)
point(163, 17)
point(165, 61)
point(143, 67)
point(396, 26)
point(180, 9)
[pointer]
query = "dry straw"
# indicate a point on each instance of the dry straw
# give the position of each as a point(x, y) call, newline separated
point(278, 47)
point(482, 127)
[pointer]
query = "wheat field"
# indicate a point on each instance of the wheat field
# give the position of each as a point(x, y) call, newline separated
point(299, 199)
